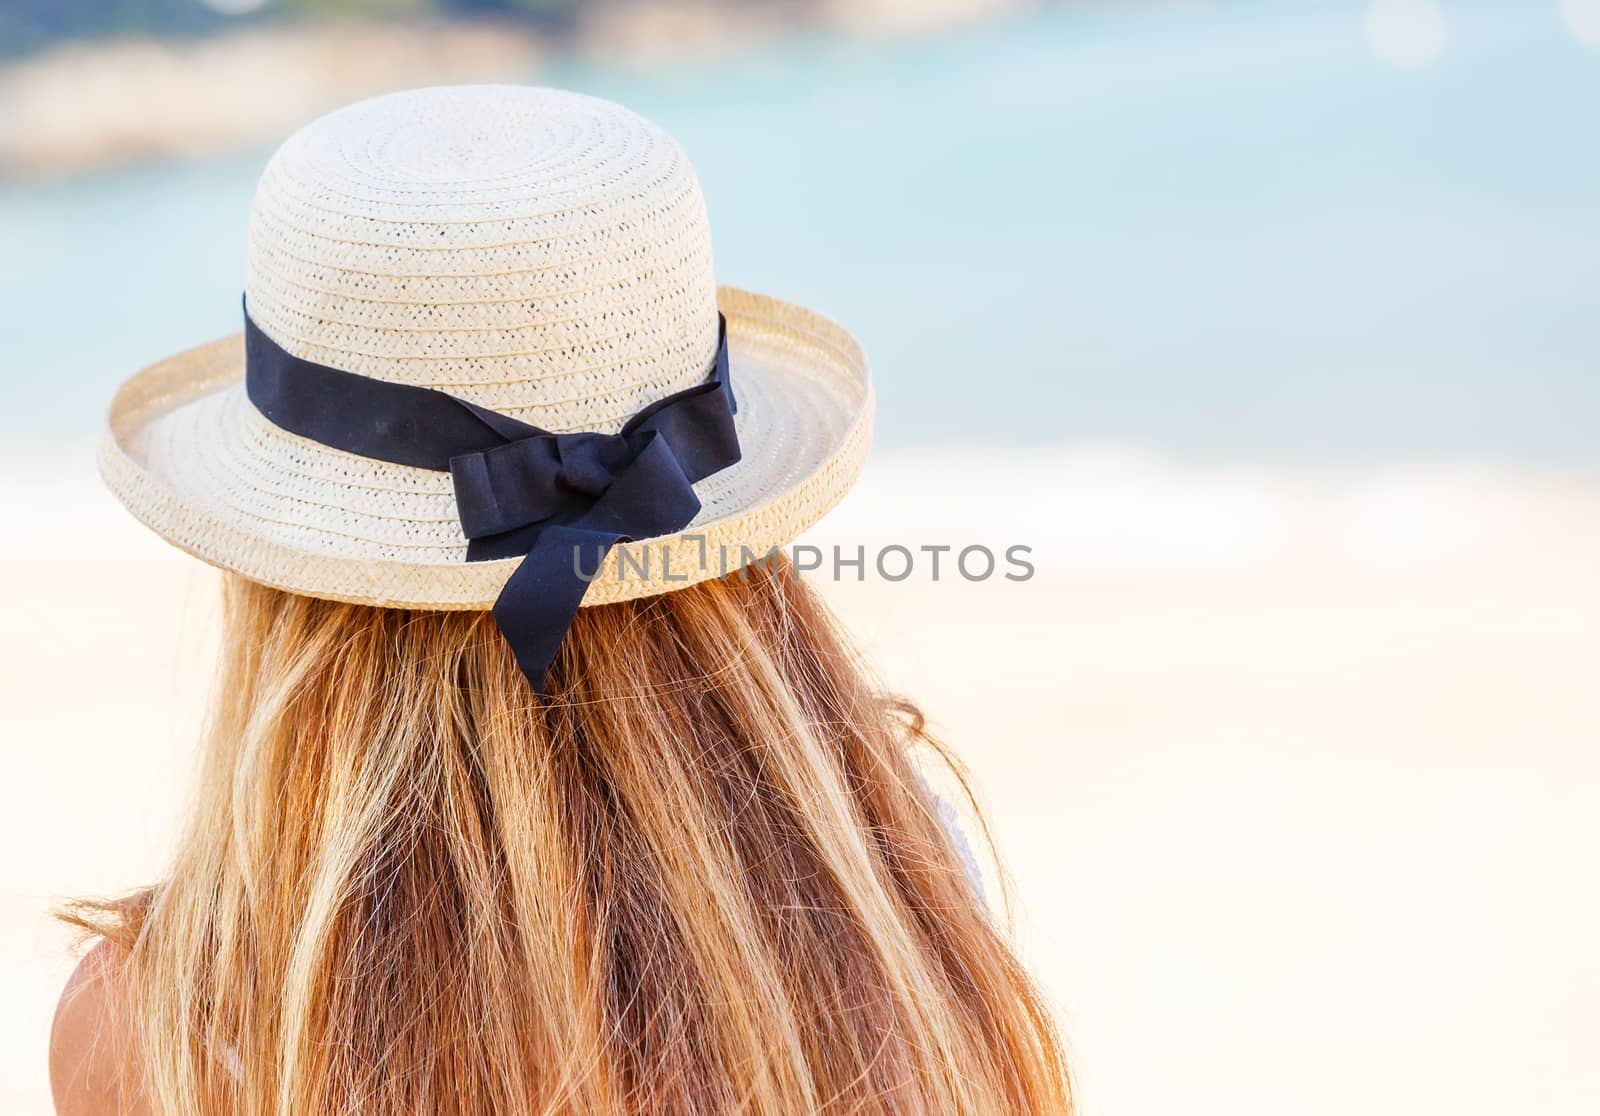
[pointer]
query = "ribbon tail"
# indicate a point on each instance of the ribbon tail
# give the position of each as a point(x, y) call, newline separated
point(541, 598)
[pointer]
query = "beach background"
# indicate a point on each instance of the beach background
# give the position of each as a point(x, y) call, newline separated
point(1273, 329)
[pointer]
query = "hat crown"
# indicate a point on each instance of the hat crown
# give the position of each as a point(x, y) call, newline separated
point(541, 253)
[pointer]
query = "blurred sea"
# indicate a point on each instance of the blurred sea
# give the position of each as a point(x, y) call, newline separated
point(1234, 232)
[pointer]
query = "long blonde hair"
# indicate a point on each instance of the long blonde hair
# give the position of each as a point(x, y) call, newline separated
point(703, 877)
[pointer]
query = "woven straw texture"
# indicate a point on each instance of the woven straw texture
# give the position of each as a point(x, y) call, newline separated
point(541, 253)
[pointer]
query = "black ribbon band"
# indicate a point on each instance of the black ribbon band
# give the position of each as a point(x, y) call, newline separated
point(561, 501)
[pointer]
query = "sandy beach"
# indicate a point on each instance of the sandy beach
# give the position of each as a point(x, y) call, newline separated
point(1303, 825)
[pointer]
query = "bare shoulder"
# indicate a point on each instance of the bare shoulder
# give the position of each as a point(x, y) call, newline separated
point(93, 1067)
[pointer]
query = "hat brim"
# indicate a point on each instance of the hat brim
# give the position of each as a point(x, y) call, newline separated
point(194, 461)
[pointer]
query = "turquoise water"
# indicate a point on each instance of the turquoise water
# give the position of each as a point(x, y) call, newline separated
point(1228, 230)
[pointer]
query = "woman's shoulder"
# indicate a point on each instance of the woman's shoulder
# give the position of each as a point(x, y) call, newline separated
point(93, 1068)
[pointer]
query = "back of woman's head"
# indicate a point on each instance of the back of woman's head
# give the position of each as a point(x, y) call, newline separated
point(703, 875)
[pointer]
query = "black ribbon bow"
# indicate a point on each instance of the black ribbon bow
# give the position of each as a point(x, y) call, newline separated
point(562, 501)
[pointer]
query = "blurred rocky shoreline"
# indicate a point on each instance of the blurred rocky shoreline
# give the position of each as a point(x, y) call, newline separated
point(85, 106)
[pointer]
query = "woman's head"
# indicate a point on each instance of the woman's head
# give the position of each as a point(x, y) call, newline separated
point(702, 876)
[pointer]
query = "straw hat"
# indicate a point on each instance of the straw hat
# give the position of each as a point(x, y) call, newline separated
point(540, 254)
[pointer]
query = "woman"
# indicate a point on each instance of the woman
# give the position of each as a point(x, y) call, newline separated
point(537, 781)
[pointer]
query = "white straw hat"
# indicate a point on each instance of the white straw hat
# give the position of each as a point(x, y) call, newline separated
point(539, 254)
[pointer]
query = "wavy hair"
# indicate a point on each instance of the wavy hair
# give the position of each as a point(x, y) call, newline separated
point(705, 876)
